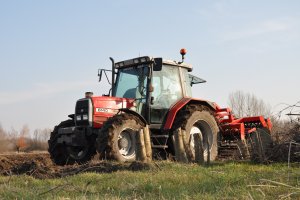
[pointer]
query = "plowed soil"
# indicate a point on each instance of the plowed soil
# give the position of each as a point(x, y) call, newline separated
point(39, 165)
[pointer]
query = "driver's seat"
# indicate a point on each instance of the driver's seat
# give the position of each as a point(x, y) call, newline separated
point(130, 93)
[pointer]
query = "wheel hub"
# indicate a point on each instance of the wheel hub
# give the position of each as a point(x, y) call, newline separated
point(205, 137)
point(123, 143)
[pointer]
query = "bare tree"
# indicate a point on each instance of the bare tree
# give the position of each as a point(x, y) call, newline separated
point(9, 142)
point(3, 140)
point(13, 133)
point(14, 140)
point(46, 134)
point(18, 139)
point(246, 104)
point(36, 135)
point(2, 132)
point(40, 139)
point(41, 135)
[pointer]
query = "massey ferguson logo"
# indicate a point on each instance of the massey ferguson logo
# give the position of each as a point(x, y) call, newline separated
point(101, 110)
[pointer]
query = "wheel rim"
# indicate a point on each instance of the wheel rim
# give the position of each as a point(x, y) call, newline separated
point(126, 143)
point(204, 130)
point(77, 153)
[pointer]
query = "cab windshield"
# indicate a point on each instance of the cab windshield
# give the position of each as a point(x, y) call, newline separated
point(132, 82)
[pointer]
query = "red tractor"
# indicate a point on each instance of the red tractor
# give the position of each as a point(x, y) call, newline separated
point(154, 92)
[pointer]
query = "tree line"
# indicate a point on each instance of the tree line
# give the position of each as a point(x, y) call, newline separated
point(284, 129)
point(23, 140)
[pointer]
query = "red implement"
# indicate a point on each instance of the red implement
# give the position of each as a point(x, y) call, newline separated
point(242, 126)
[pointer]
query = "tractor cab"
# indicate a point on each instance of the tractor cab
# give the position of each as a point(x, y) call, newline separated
point(155, 84)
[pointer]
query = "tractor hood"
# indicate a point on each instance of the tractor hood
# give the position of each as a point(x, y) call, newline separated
point(105, 107)
point(94, 111)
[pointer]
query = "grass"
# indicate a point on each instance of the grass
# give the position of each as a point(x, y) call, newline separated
point(229, 180)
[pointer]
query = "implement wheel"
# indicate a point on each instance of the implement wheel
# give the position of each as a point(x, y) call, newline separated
point(62, 154)
point(117, 137)
point(260, 145)
point(195, 119)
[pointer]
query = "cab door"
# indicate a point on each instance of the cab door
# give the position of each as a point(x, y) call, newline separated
point(167, 91)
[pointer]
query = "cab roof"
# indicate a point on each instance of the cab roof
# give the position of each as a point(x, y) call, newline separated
point(147, 59)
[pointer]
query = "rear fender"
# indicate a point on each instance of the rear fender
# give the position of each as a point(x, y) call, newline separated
point(180, 104)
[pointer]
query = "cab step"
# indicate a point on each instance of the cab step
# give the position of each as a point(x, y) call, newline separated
point(159, 136)
point(159, 146)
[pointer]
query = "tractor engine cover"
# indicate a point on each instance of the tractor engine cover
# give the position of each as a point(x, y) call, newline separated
point(94, 111)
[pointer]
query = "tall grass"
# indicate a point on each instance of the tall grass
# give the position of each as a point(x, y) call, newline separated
point(169, 181)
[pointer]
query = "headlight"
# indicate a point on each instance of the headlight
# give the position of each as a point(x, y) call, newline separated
point(78, 117)
point(85, 117)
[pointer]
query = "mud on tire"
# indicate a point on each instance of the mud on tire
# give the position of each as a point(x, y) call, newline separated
point(116, 139)
point(199, 119)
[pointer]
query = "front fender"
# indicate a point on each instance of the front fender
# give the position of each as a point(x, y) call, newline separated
point(126, 110)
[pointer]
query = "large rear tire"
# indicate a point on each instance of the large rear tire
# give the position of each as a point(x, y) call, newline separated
point(196, 119)
point(117, 137)
point(62, 154)
point(261, 145)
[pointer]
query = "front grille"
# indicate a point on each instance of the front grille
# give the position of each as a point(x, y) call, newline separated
point(82, 109)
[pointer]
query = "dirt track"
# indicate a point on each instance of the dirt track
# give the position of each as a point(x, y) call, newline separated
point(39, 165)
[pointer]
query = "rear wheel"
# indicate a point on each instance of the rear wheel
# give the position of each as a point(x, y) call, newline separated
point(260, 145)
point(196, 119)
point(62, 154)
point(117, 137)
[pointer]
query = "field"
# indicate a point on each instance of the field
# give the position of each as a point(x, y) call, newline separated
point(33, 176)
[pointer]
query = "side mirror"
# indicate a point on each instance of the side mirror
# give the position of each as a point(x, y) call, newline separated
point(151, 100)
point(100, 74)
point(158, 62)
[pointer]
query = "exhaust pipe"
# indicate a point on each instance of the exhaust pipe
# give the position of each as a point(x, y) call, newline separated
point(89, 94)
point(112, 76)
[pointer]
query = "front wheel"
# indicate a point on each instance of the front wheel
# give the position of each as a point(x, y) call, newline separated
point(117, 137)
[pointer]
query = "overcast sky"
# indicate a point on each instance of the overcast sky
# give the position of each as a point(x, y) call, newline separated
point(50, 51)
